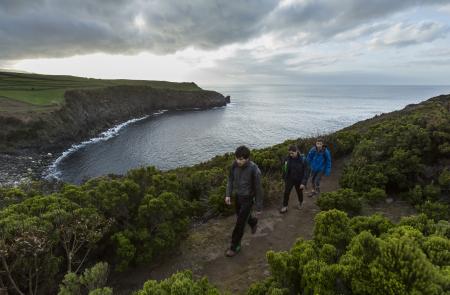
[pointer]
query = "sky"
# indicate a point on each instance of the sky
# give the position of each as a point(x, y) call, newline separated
point(231, 42)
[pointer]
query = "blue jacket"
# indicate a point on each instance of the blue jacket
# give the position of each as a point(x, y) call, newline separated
point(319, 160)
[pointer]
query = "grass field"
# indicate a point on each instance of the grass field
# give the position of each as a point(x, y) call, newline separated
point(46, 90)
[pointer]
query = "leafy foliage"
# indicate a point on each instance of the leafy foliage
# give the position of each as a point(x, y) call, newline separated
point(344, 199)
point(92, 281)
point(377, 257)
point(181, 283)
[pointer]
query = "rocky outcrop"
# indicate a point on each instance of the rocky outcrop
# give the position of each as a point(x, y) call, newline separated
point(86, 112)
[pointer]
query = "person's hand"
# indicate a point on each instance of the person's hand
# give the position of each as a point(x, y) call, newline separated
point(228, 200)
point(302, 186)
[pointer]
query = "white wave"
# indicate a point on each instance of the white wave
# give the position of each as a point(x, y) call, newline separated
point(53, 172)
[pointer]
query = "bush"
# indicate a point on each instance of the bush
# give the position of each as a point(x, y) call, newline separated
point(92, 281)
point(267, 287)
point(396, 259)
point(180, 283)
point(438, 250)
point(444, 179)
point(375, 224)
point(375, 195)
point(362, 176)
point(431, 192)
point(434, 210)
point(333, 227)
point(343, 199)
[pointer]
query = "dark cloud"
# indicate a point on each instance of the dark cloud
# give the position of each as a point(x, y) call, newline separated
point(52, 28)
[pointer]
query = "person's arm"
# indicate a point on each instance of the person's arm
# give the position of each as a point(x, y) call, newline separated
point(284, 169)
point(258, 190)
point(328, 162)
point(310, 156)
point(229, 189)
point(306, 172)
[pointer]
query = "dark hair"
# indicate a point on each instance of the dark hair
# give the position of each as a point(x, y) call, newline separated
point(293, 148)
point(320, 139)
point(242, 152)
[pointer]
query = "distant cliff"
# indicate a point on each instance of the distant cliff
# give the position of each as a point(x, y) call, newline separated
point(86, 112)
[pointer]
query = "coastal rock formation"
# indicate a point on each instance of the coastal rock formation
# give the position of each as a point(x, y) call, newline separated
point(86, 112)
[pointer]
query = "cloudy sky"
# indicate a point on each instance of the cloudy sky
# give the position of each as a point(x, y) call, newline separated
point(225, 41)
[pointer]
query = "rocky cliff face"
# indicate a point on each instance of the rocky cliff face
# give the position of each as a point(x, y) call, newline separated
point(86, 112)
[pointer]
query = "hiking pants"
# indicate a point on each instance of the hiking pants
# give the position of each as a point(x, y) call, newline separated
point(316, 176)
point(244, 215)
point(288, 184)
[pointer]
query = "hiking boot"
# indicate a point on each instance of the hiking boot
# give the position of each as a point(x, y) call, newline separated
point(300, 206)
point(254, 228)
point(283, 209)
point(312, 194)
point(231, 253)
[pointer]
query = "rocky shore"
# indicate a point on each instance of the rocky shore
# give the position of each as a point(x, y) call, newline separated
point(23, 168)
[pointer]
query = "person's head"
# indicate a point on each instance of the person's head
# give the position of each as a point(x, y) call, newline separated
point(242, 155)
point(319, 143)
point(293, 151)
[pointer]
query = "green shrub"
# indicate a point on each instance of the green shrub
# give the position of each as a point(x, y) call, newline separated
point(435, 210)
point(382, 258)
point(444, 179)
point(333, 227)
point(414, 195)
point(362, 176)
point(431, 192)
point(437, 250)
point(375, 224)
point(267, 287)
point(92, 281)
point(375, 195)
point(181, 283)
point(343, 199)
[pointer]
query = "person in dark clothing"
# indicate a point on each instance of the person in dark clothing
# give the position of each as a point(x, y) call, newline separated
point(295, 174)
point(319, 159)
point(244, 184)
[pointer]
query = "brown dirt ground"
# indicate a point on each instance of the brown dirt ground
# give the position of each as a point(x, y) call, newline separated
point(203, 250)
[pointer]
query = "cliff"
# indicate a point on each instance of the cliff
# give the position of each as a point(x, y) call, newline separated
point(86, 112)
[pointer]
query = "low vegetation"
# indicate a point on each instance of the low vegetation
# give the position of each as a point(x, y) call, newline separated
point(48, 239)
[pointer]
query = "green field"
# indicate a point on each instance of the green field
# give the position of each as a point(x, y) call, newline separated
point(46, 90)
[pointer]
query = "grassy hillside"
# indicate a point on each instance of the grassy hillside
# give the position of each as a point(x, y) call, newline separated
point(44, 90)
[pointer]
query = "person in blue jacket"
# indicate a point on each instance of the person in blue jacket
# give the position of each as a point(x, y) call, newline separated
point(319, 160)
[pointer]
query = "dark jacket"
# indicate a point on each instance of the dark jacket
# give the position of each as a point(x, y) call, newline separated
point(296, 170)
point(320, 161)
point(245, 181)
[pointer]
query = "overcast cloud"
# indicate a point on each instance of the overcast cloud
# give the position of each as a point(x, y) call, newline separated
point(260, 37)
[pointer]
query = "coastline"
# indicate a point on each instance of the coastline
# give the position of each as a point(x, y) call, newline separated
point(29, 165)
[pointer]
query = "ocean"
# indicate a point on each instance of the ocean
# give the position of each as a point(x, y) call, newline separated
point(258, 116)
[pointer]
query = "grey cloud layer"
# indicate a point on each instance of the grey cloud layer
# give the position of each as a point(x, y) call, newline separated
point(51, 28)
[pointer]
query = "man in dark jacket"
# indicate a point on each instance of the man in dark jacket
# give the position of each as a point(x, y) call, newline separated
point(244, 184)
point(295, 174)
point(319, 160)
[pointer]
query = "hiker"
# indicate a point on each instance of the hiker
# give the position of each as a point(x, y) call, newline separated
point(295, 174)
point(319, 161)
point(244, 184)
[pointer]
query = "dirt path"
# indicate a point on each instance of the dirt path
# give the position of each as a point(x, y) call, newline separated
point(203, 250)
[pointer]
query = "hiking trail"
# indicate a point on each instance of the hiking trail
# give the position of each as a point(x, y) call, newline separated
point(203, 250)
